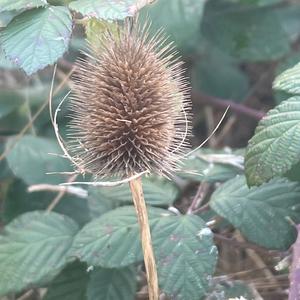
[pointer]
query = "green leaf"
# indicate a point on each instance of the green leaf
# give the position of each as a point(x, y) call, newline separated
point(30, 160)
point(112, 240)
point(9, 101)
point(70, 284)
point(245, 32)
point(33, 249)
point(261, 213)
point(289, 62)
point(157, 192)
point(185, 254)
point(37, 38)
point(274, 148)
point(112, 284)
point(229, 82)
point(182, 23)
point(212, 165)
point(7, 5)
point(105, 9)
point(97, 204)
point(289, 16)
point(289, 80)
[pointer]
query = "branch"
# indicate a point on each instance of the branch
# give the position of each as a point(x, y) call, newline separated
point(240, 109)
point(77, 191)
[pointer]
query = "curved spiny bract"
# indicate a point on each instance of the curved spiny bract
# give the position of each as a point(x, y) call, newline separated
point(129, 106)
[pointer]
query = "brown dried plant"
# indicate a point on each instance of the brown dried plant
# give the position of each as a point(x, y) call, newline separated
point(129, 109)
point(129, 105)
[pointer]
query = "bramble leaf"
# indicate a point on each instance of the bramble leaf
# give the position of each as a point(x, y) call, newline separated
point(260, 210)
point(32, 153)
point(186, 256)
point(289, 80)
point(105, 9)
point(33, 249)
point(8, 5)
point(112, 284)
point(70, 284)
point(275, 147)
point(37, 38)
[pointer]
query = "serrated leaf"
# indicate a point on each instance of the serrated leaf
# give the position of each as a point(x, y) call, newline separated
point(105, 9)
point(8, 5)
point(246, 33)
point(30, 160)
point(37, 38)
point(157, 192)
point(112, 240)
point(261, 213)
point(182, 24)
point(289, 80)
point(33, 249)
point(289, 62)
point(212, 165)
point(186, 256)
point(112, 284)
point(274, 148)
point(70, 284)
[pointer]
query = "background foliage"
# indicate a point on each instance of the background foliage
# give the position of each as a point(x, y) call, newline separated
point(223, 226)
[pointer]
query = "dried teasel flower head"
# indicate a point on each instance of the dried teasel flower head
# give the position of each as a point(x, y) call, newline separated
point(129, 105)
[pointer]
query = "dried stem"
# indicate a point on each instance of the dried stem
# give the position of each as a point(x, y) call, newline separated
point(59, 196)
point(240, 109)
point(149, 259)
point(79, 192)
point(199, 197)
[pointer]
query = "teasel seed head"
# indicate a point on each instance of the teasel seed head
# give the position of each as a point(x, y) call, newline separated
point(129, 105)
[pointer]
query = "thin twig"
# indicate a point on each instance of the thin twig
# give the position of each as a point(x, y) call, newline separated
point(77, 191)
point(149, 259)
point(259, 262)
point(59, 196)
point(26, 295)
point(199, 197)
point(209, 118)
point(244, 245)
point(211, 134)
point(203, 208)
point(240, 109)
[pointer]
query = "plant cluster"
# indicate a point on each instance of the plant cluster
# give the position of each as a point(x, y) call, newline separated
point(81, 243)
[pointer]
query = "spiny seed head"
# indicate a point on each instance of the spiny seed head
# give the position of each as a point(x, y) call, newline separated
point(129, 105)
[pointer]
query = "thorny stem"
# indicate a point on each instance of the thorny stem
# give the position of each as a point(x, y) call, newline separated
point(149, 259)
point(239, 109)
